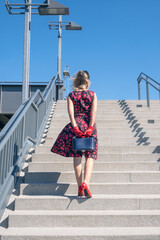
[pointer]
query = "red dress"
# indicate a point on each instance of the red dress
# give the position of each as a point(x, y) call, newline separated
point(82, 101)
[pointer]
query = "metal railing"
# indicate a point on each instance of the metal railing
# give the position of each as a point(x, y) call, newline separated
point(149, 81)
point(23, 130)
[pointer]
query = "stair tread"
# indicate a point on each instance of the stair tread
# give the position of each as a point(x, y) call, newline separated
point(101, 162)
point(86, 212)
point(71, 183)
point(120, 172)
point(99, 196)
point(67, 231)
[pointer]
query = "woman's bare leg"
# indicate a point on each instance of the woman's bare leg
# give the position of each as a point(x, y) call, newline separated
point(77, 162)
point(88, 170)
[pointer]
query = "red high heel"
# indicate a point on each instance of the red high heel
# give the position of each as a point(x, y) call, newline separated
point(86, 191)
point(80, 191)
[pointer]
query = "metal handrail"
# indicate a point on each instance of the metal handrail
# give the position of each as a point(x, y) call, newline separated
point(149, 81)
point(22, 131)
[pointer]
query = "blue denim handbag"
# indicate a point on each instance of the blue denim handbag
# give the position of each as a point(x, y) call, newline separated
point(83, 144)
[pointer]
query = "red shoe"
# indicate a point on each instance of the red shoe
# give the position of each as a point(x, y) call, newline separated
point(80, 191)
point(86, 191)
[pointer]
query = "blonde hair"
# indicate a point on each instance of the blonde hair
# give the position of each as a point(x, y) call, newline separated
point(81, 80)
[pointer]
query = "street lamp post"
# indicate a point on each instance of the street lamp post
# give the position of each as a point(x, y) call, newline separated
point(61, 25)
point(49, 7)
point(26, 51)
point(59, 47)
point(66, 76)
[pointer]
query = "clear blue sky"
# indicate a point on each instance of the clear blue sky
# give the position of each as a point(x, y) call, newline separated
point(120, 38)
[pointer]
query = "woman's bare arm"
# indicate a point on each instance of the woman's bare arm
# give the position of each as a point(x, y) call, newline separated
point(71, 112)
point(93, 111)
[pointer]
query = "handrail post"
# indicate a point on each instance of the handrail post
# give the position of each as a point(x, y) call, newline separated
point(147, 91)
point(139, 91)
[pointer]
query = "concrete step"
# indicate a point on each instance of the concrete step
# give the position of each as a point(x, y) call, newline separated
point(98, 166)
point(98, 118)
point(122, 131)
point(103, 141)
point(149, 126)
point(112, 149)
point(101, 101)
point(142, 116)
point(101, 130)
point(98, 115)
point(118, 133)
point(98, 122)
point(96, 188)
point(134, 101)
point(131, 141)
point(96, 233)
point(102, 126)
point(98, 202)
point(50, 157)
point(97, 177)
point(99, 108)
point(100, 112)
point(142, 109)
point(99, 105)
point(85, 218)
point(147, 131)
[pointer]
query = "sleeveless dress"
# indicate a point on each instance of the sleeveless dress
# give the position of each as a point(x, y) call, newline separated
point(82, 101)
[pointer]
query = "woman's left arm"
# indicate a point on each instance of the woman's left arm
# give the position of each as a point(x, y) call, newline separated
point(93, 110)
point(76, 130)
point(71, 112)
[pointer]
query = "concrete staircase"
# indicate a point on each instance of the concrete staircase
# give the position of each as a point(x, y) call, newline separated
point(125, 182)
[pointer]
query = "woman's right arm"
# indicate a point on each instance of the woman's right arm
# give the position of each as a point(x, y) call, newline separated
point(71, 112)
point(90, 129)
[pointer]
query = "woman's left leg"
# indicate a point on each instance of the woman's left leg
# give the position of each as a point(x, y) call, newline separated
point(77, 163)
point(87, 176)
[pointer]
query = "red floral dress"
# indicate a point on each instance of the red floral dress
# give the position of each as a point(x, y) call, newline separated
point(82, 101)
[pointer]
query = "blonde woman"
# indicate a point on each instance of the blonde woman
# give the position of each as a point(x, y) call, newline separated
point(82, 106)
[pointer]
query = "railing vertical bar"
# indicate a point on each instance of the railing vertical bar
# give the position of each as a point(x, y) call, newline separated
point(139, 91)
point(8, 157)
point(3, 166)
point(37, 123)
point(2, 162)
point(147, 92)
point(9, 154)
point(18, 136)
point(22, 133)
point(0, 166)
point(23, 130)
point(12, 145)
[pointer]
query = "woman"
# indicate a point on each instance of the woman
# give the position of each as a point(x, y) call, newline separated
point(82, 106)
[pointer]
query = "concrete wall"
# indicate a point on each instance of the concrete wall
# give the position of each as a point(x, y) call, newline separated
point(11, 95)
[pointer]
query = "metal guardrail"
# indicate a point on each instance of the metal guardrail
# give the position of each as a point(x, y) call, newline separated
point(23, 130)
point(149, 81)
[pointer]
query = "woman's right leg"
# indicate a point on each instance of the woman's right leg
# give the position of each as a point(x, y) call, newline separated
point(88, 167)
point(77, 162)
